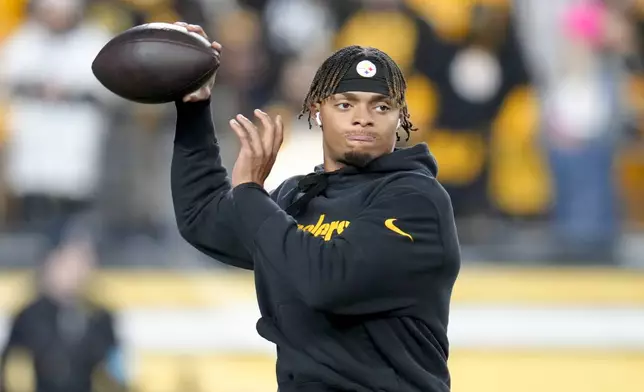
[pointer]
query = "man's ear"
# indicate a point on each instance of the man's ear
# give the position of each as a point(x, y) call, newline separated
point(315, 113)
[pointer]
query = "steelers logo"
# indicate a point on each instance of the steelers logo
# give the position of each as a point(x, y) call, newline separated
point(366, 69)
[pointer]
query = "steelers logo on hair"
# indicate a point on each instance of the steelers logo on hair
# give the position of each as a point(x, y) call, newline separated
point(366, 69)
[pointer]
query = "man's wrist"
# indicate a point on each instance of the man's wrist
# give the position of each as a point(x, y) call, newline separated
point(194, 124)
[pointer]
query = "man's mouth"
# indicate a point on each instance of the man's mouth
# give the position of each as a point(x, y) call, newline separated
point(361, 137)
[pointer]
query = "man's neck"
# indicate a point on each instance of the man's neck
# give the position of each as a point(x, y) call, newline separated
point(63, 299)
point(331, 166)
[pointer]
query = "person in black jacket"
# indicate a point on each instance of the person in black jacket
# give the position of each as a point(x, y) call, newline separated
point(64, 338)
point(354, 263)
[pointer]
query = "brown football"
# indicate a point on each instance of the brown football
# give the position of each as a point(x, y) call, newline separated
point(155, 63)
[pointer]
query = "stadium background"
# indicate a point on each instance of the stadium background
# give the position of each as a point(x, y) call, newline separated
point(550, 206)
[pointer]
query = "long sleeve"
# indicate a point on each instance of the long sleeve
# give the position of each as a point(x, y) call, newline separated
point(201, 191)
point(381, 262)
point(14, 340)
point(112, 373)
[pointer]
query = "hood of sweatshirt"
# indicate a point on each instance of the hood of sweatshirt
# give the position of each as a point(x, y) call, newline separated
point(416, 159)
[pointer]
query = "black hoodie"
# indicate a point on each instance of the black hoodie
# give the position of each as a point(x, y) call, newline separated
point(353, 282)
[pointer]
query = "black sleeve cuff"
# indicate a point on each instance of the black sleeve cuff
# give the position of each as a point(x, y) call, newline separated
point(195, 128)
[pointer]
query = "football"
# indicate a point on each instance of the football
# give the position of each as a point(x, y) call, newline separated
point(155, 63)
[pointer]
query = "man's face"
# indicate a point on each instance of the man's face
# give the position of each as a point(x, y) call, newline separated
point(358, 127)
point(58, 15)
point(69, 269)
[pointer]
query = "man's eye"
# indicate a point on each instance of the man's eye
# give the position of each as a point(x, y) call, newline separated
point(383, 108)
point(343, 105)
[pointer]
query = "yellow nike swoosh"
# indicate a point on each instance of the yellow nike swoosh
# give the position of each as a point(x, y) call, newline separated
point(389, 223)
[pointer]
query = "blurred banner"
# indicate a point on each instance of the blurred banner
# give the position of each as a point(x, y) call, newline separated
point(510, 329)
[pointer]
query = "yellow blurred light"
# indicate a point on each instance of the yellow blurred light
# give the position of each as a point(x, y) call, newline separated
point(519, 179)
point(451, 19)
point(422, 101)
point(460, 155)
point(392, 32)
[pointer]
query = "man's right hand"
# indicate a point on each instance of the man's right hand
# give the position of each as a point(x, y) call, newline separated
point(204, 92)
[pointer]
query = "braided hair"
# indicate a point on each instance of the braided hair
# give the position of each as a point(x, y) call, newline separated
point(334, 68)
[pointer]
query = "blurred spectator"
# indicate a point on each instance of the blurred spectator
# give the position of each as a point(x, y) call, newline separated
point(299, 26)
point(580, 80)
point(56, 116)
point(245, 70)
point(469, 54)
point(69, 340)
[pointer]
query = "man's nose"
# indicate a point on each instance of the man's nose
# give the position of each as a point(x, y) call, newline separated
point(362, 117)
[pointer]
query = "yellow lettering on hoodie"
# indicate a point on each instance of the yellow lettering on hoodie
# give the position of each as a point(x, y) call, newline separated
point(325, 230)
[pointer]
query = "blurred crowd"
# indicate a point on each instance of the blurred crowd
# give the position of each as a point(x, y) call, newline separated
point(533, 109)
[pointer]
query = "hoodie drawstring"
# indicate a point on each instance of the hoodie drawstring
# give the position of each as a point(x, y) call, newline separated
point(309, 187)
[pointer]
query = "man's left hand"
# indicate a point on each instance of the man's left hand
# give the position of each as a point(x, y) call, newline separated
point(258, 149)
